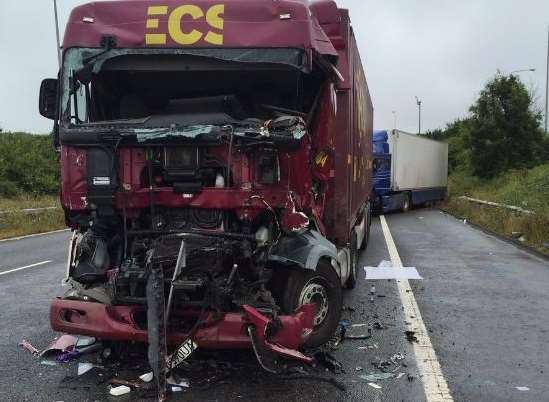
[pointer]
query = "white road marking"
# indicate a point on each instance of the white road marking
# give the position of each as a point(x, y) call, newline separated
point(25, 267)
point(33, 235)
point(434, 383)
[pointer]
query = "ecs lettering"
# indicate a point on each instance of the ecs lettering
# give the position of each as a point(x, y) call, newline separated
point(177, 30)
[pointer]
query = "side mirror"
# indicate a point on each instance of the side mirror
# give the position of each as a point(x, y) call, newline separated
point(47, 104)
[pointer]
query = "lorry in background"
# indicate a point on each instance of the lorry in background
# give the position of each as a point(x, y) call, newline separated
point(216, 164)
point(409, 170)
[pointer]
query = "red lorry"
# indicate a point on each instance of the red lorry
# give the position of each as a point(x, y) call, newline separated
point(216, 165)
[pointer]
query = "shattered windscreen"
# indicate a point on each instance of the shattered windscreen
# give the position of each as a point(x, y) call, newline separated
point(163, 92)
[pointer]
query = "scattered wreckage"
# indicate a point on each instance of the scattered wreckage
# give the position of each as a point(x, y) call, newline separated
point(217, 182)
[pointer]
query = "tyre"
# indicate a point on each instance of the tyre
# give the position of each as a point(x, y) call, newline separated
point(322, 288)
point(406, 203)
point(351, 281)
point(366, 238)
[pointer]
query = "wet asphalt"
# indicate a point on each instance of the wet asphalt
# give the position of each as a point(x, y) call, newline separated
point(484, 301)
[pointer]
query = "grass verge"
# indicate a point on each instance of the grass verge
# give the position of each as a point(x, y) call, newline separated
point(16, 223)
point(528, 189)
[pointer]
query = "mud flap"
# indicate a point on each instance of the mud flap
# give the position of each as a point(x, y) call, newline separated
point(265, 351)
point(156, 326)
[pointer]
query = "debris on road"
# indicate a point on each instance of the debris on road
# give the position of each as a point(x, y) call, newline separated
point(28, 347)
point(183, 383)
point(84, 368)
point(59, 346)
point(147, 377)
point(523, 388)
point(83, 341)
point(411, 336)
point(327, 360)
point(67, 356)
point(120, 390)
point(377, 376)
point(374, 385)
point(386, 270)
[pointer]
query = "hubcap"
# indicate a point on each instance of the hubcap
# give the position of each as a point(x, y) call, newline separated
point(314, 293)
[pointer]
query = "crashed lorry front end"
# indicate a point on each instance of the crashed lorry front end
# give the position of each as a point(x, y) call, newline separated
point(195, 177)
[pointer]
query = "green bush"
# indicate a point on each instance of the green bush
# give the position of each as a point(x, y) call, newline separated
point(28, 165)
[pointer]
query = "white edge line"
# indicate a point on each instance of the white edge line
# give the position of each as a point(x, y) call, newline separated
point(25, 267)
point(33, 235)
point(434, 384)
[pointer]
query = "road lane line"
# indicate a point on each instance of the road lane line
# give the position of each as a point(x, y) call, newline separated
point(434, 384)
point(33, 235)
point(25, 267)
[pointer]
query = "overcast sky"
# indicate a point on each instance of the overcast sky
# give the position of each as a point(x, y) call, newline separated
point(443, 51)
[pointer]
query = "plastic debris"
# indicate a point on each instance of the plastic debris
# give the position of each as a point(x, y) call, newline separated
point(48, 363)
point(523, 388)
point(372, 292)
point(84, 368)
point(67, 356)
point(83, 341)
point(64, 343)
point(177, 389)
point(28, 347)
point(183, 382)
point(374, 385)
point(400, 375)
point(377, 376)
point(120, 390)
point(386, 270)
point(147, 377)
point(90, 349)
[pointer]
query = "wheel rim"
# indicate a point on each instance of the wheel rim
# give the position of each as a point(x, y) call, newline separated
point(315, 293)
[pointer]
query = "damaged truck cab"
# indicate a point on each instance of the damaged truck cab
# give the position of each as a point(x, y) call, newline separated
point(215, 170)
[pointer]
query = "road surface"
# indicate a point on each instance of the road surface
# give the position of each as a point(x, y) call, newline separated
point(483, 302)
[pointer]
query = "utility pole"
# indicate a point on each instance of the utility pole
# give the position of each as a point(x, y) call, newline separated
point(57, 32)
point(419, 111)
point(547, 84)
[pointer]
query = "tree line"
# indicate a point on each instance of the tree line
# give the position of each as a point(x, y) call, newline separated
point(28, 165)
point(502, 132)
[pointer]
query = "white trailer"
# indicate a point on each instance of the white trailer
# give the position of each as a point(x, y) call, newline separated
point(417, 162)
point(408, 170)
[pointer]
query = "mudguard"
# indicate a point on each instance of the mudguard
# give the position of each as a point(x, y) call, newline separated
point(304, 250)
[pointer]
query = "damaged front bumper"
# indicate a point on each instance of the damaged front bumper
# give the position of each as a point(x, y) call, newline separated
point(216, 331)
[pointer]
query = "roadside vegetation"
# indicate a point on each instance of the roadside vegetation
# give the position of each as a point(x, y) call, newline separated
point(500, 153)
point(29, 178)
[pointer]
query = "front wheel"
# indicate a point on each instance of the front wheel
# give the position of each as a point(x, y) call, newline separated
point(321, 288)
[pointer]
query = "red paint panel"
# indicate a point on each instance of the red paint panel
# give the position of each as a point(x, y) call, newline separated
point(116, 323)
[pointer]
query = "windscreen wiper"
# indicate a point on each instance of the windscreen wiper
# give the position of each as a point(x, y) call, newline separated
point(83, 75)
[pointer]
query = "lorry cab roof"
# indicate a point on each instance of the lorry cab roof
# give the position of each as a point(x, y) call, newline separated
point(205, 23)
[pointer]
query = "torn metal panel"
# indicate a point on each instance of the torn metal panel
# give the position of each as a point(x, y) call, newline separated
point(305, 250)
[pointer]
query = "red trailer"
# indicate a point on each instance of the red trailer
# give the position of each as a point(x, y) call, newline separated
point(215, 170)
